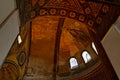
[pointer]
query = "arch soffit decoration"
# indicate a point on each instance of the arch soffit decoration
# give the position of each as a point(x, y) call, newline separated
point(91, 13)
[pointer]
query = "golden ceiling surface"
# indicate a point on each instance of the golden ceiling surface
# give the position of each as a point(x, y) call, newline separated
point(57, 38)
point(61, 31)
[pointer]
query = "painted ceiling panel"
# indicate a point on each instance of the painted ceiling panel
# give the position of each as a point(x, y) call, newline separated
point(98, 14)
point(61, 30)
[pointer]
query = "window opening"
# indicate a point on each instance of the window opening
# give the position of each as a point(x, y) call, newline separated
point(19, 39)
point(86, 56)
point(73, 63)
point(94, 48)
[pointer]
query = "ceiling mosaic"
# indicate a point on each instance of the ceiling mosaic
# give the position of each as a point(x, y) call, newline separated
point(57, 41)
point(99, 15)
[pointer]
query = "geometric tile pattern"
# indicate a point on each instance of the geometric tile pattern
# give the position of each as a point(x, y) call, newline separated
point(95, 14)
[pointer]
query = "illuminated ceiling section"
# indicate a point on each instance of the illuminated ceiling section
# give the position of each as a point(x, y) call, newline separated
point(74, 38)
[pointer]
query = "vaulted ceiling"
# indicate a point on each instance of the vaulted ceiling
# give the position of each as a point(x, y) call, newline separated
point(60, 30)
point(54, 32)
point(99, 14)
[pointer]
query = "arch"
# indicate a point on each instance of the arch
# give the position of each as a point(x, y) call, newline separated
point(86, 56)
point(73, 63)
point(94, 48)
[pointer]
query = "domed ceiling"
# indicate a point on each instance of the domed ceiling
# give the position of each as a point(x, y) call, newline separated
point(61, 30)
point(60, 40)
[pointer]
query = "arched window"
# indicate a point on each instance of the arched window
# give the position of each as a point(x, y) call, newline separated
point(19, 39)
point(86, 56)
point(73, 63)
point(94, 47)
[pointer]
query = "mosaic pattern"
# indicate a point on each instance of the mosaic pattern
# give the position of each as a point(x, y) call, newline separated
point(98, 16)
point(91, 13)
point(15, 64)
